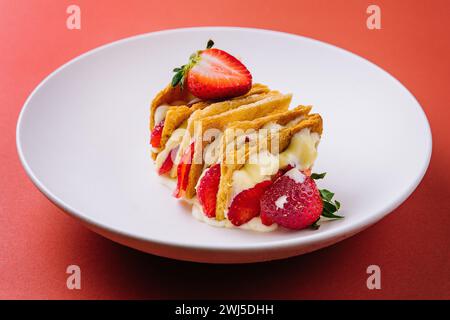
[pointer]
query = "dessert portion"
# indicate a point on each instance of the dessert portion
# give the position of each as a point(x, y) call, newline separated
point(236, 150)
point(211, 122)
point(174, 108)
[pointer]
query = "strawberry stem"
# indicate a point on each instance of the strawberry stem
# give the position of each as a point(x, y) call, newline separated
point(210, 44)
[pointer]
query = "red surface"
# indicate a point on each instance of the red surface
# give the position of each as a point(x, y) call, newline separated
point(38, 241)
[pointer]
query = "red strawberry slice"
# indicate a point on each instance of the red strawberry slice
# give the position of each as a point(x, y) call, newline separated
point(256, 198)
point(246, 205)
point(155, 140)
point(168, 163)
point(218, 74)
point(183, 171)
point(207, 190)
point(266, 220)
point(293, 201)
point(213, 74)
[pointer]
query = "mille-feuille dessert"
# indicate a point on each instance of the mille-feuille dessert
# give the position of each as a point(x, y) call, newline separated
point(236, 151)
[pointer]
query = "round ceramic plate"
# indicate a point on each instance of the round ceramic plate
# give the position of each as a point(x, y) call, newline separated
point(83, 139)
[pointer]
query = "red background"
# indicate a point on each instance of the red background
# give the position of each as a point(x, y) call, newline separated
point(38, 241)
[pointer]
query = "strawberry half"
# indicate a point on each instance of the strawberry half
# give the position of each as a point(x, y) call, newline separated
point(183, 171)
point(168, 163)
point(207, 190)
point(155, 139)
point(213, 74)
point(246, 205)
point(293, 201)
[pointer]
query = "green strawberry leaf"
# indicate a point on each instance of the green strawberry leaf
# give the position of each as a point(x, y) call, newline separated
point(330, 206)
point(177, 78)
point(326, 194)
point(317, 176)
point(338, 204)
point(330, 215)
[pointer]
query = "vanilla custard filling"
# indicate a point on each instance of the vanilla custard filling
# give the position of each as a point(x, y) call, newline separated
point(260, 167)
point(161, 110)
point(301, 153)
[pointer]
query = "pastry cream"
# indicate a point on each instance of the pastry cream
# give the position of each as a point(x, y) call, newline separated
point(160, 113)
point(260, 167)
point(301, 153)
point(161, 110)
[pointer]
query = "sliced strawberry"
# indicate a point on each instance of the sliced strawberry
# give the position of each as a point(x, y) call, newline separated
point(292, 201)
point(246, 205)
point(155, 140)
point(183, 171)
point(168, 163)
point(207, 190)
point(218, 74)
point(266, 220)
point(213, 74)
point(253, 210)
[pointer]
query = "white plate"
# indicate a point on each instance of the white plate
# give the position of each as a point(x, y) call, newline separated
point(83, 139)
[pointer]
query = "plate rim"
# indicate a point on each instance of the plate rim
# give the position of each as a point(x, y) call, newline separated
point(338, 231)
